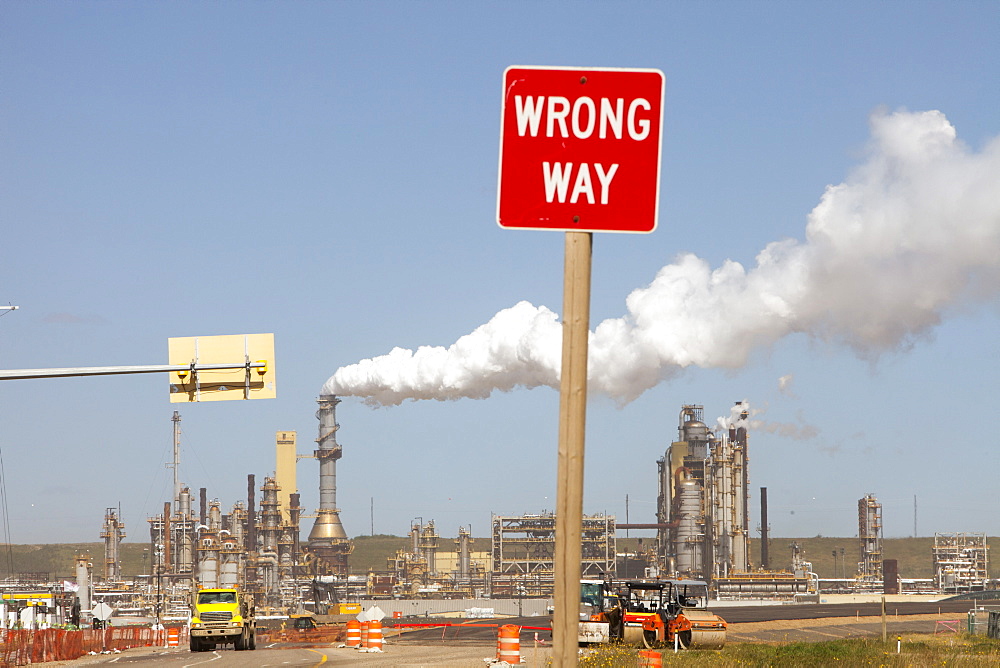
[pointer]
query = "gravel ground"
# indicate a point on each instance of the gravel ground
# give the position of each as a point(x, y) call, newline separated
point(832, 628)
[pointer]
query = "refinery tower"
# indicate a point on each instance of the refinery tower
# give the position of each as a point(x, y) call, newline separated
point(328, 543)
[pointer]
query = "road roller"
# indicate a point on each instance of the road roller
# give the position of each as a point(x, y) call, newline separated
point(664, 612)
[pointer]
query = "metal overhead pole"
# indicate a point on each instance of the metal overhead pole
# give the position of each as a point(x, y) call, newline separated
point(21, 374)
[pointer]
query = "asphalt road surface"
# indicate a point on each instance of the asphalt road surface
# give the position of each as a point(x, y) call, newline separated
point(404, 656)
point(466, 644)
point(765, 613)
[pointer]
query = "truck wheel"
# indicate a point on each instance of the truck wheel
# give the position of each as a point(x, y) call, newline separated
point(195, 644)
point(241, 642)
point(253, 639)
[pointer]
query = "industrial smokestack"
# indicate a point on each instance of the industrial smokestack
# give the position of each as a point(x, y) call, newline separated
point(294, 510)
point(251, 533)
point(327, 527)
point(328, 541)
point(891, 223)
point(203, 509)
point(250, 537)
point(765, 559)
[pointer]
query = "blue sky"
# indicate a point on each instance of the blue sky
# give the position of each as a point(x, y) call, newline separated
point(327, 172)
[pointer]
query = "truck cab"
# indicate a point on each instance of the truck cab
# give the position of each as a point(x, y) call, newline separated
point(220, 617)
point(600, 613)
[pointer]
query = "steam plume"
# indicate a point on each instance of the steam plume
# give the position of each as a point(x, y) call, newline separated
point(911, 234)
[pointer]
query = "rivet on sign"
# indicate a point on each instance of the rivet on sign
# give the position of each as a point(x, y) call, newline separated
point(576, 219)
point(583, 80)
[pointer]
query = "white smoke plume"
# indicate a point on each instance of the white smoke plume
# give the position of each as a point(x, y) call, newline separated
point(911, 234)
point(739, 416)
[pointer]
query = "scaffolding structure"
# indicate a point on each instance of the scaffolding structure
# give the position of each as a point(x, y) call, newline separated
point(524, 552)
point(870, 539)
point(427, 570)
point(960, 562)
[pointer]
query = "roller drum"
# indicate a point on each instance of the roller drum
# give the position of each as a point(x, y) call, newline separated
point(705, 632)
point(707, 639)
point(632, 635)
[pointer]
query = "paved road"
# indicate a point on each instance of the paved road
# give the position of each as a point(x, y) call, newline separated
point(764, 613)
point(408, 656)
point(485, 632)
point(466, 645)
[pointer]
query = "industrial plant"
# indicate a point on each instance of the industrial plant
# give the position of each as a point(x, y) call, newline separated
point(702, 531)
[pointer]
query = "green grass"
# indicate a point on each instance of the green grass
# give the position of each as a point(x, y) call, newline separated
point(917, 650)
point(371, 552)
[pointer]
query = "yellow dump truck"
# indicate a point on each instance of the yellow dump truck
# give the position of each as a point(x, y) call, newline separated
point(221, 617)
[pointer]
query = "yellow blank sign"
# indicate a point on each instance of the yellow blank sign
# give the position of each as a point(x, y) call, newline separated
point(251, 355)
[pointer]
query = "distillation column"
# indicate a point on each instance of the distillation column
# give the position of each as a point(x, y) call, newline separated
point(701, 512)
point(267, 562)
point(681, 508)
point(114, 531)
point(429, 546)
point(464, 544)
point(328, 542)
point(870, 537)
point(209, 547)
point(183, 526)
point(83, 580)
point(740, 558)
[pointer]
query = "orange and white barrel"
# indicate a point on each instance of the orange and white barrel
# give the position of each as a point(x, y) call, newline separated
point(375, 635)
point(364, 635)
point(509, 644)
point(649, 658)
point(397, 614)
point(353, 633)
point(173, 636)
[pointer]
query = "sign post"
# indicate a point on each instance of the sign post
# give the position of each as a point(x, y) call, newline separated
point(579, 152)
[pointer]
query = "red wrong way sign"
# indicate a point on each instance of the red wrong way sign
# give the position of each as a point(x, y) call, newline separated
point(580, 149)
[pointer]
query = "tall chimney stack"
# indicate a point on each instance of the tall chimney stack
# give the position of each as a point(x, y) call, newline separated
point(328, 540)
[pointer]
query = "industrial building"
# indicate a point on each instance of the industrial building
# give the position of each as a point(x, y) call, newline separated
point(524, 550)
point(428, 570)
point(870, 543)
point(701, 510)
point(960, 562)
point(702, 531)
